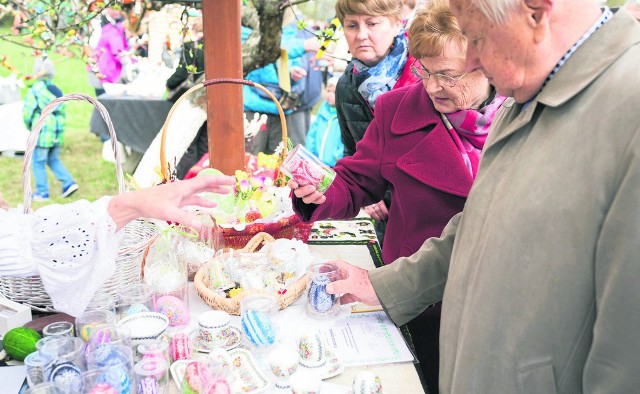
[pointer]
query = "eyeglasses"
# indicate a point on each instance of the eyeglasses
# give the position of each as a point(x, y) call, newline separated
point(420, 72)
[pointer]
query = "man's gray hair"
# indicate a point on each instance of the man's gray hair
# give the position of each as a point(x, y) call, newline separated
point(496, 11)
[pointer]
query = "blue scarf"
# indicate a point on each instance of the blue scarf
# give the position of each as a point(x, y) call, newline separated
point(373, 81)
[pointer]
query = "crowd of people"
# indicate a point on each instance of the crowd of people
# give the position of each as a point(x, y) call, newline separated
point(494, 140)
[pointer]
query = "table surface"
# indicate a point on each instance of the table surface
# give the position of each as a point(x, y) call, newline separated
point(136, 120)
point(357, 248)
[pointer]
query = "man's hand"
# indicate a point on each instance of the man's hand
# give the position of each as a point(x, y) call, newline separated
point(354, 285)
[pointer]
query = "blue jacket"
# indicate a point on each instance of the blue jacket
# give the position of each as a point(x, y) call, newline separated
point(324, 139)
point(268, 75)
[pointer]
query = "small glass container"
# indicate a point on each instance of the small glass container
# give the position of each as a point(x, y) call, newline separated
point(258, 320)
point(135, 299)
point(306, 169)
point(116, 363)
point(68, 362)
point(102, 301)
point(38, 366)
point(91, 319)
point(158, 348)
point(59, 328)
point(173, 302)
point(46, 388)
point(108, 334)
point(321, 304)
point(151, 375)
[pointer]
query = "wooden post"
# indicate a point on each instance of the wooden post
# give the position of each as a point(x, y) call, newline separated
point(223, 59)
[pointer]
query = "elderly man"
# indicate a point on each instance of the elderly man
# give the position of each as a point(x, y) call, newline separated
point(539, 274)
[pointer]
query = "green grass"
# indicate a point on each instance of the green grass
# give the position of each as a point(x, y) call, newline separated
point(82, 149)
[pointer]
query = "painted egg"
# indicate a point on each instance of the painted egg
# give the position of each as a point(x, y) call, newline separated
point(319, 299)
point(148, 385)
point(174, 309)
point(180, 347)
point(258, 328)
point(19, 342)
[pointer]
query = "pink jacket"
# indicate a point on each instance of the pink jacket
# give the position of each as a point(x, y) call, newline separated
point(112, 42)
point(407, 147)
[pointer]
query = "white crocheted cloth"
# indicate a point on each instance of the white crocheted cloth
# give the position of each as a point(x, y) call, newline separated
point(73, 247)
point(183, 127)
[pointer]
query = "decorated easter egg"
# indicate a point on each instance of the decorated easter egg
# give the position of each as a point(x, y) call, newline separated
point(148, 385)
point(311, 350)
point(319, 299)
point(19, 342)
point(67, 375)
point(180, 347)
point(195, 377)
point(217, 385)
point(258, 328)
point(103, 388)
point(174, 309)
point(136, 308)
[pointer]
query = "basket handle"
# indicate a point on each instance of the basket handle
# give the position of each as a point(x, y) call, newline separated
point(257, 240)
point(164, 166)
point(33, 139)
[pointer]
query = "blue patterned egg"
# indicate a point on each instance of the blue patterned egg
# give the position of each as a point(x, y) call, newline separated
point(258, 328)
point(319, 299)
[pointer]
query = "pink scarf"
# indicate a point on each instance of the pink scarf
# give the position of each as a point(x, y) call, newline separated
point(469, 129)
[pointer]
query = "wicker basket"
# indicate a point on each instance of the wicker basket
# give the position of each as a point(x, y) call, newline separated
point(137, 234)
point(289, 227)
point(232, 305)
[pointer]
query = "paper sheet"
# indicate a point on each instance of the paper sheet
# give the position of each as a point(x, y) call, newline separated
point(12, 378)
point(366, 339)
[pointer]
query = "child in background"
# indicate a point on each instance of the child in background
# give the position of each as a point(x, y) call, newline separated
point(47, 151)
point(324, 139)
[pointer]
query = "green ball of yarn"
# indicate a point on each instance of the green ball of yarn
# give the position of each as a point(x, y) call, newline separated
point(19, 342)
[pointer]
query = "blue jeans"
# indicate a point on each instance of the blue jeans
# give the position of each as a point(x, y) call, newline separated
point(51, 157)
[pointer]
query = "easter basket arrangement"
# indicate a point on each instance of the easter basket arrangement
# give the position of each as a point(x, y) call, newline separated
point(259, 203)
point(287, 283)
point(137, 234)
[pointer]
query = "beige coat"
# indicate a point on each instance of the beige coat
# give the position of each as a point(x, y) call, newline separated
point(542, 293)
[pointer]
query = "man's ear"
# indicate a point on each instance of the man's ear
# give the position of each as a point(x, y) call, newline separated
point(538, 15)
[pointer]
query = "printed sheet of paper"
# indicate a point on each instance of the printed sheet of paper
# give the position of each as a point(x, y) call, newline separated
point(366, 339)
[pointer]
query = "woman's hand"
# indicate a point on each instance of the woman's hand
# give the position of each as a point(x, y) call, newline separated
point(354, 285)
point(377, 211)
point(309, 194)
point(165, 202)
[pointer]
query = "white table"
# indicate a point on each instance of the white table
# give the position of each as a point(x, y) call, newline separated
point(395, 378)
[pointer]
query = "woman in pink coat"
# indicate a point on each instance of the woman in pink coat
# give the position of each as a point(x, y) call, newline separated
point(424, 143)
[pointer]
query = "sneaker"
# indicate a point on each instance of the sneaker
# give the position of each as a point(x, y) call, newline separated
point(40, 197)
point(69, 190)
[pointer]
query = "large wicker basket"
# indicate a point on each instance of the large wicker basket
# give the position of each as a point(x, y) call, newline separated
point(232, 305)
point(288, 227)
point(137, 234)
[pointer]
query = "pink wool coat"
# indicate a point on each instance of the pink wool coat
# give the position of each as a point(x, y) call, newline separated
point(407, 147)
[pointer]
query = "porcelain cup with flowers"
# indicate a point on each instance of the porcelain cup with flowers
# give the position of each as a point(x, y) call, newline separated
point(283, 363)
point(213, 327)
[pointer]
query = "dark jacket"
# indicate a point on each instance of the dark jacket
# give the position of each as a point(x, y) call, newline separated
point(354, 113)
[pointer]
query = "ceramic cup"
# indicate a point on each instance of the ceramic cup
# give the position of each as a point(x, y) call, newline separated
point(258, 320)
point(38, 366)
point(367, 382)
point(305, 382)
point(283, 363)
point(213, 328)
point(59, 328)
point(311, 349)
point(321, 304)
